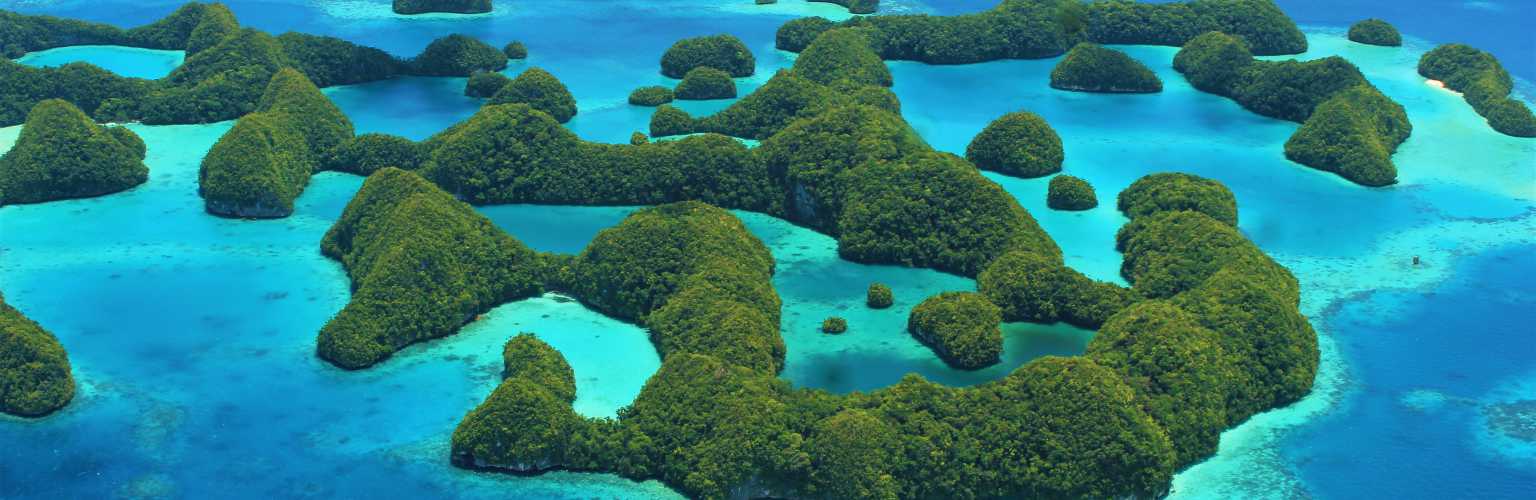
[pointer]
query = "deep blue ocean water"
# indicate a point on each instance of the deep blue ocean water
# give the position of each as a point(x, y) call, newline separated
point(1427, 364)
point(192, 336)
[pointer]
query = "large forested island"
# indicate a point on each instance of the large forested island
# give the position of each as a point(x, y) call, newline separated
point(700, 282)
point(737, 169)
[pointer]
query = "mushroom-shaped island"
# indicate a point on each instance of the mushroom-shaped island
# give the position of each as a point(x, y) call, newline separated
point(259, 167)
point(1092, 68)
point(1019, 144)
point(1375, 32)
point(1169, 191)
point(1070, 193)
point(961, 327)
point(879, 296)
point(703, 83)
point(535, 396)
point(653, 95)
point(515, 50)
point(723, 52)
point(485, 84)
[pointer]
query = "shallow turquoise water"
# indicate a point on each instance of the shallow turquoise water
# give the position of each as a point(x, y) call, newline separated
point(876, 351)
point(126, 61)
point(193, 336)
point(417, 107)
point(815, 284)
point(197, 336)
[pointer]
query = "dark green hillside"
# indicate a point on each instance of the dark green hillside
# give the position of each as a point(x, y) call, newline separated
point(1172, 191)
point(1375, 32)
point(961, 327)
point(422, 264)
point(62, 154)
point(219, 83)
point(367, 153)
point(1019, 144)
point(1178, 370)
point(329, 61)
point(1034, 288)
point(1348, 127)
point(723, 52)
point(1092, 68)
point(259, 167)
point(842, 54)
point(34, 370)
point(1352, 134)
point(616, 273)
point(514, 154)
point(704, 83)
point(256, 169)
point(485, 84)
point(307, 110)
point(540, 90)
point(934, 210)
point(94, 90)
point(1070, 193)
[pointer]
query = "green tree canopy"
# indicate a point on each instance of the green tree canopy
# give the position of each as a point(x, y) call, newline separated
point(457, 55)
point(34, 370)
point(1070, 193)
point(1170, 191)
point(722, 52)
point(540, 90)
point(961, 327)
point(1092, 68)
point(1375, 32)
point(422, 265)
point(1020, 144)
point(705, 82)
point(62, 154)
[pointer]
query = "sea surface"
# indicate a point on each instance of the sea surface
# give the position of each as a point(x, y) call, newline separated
point(192, 337)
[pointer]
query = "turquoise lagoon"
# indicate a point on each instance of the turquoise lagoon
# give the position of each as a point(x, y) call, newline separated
point(192, 336)
point(127, 61)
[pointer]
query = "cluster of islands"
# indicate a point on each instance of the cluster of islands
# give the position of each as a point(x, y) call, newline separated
point(1207, 334)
